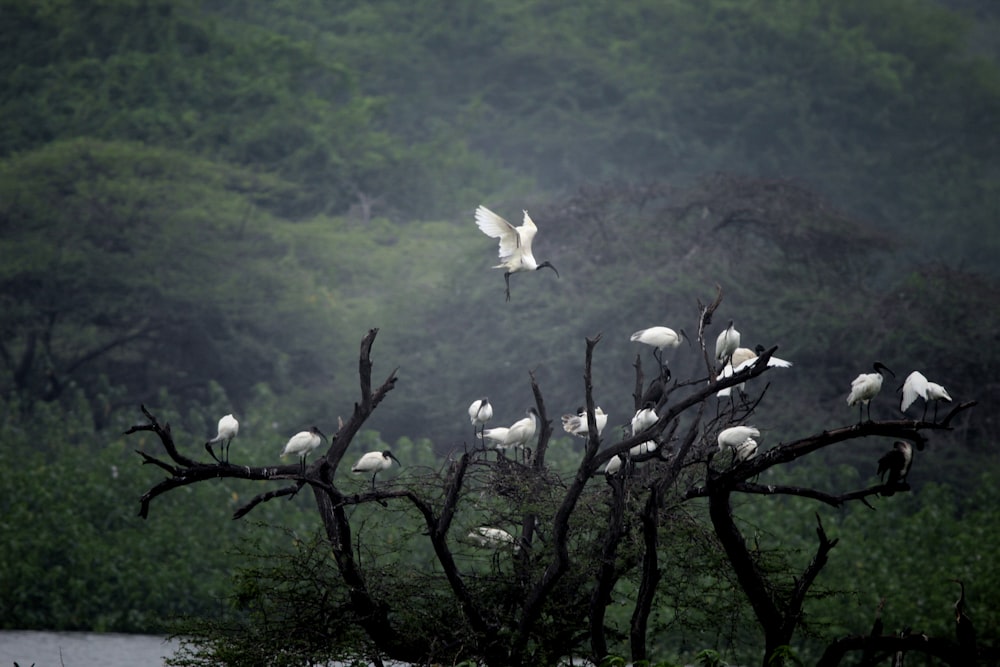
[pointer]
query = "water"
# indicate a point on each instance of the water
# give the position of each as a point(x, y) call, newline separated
point(82, 649)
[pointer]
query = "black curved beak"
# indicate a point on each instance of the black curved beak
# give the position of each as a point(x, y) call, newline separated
point(548, 265)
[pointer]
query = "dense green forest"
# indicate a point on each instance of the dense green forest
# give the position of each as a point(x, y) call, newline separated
point(205, 205)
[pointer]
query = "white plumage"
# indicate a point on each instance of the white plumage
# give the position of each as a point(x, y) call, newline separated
point(865, 387)
point(302, 443)
point(734, 436)
point(916, 385)
point(515, 243)
point(745, 450)
point(517, 435)
point(644, 418)
point(577, 424)
point(228, 429)
point(494, 538)
point(742, 359)
point(726, 343)
point(480, 411)
point(374, 462)
point(614, 465)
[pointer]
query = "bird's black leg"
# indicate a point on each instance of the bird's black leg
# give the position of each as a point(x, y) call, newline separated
point(373, 481)
point(506, 279)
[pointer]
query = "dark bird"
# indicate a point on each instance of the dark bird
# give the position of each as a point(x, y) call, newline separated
point(896, 463)
point(964, 632)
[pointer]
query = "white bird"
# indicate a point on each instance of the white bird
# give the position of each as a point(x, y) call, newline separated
point(480, 412)
point(494, 538)
point(228, 429)
point(742, 359)
point(614, 465)
point(577, 424)
point(726, 343)
point(735, 436)
point(896, 464)
point(374, 462)
point(865, 387)
point(745, 450)
point(302, 443)
point(644, 418)
point(515, 243)
point(660, 338)
point(916, 385)
point(647, 447)
point(521, 432)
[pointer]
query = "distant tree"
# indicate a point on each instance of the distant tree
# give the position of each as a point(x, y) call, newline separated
point(574, 541)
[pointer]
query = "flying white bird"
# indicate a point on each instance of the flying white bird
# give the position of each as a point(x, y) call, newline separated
point(494, 538)
point(577, 424)
point(865, 387)
point(302, 443)
point(374, 462)
point(644, 418)
point(726, 343)
point(742, 359)
point(896, 464)
point(916, 385)
point(480, 412)
point(515, 243)
point(228, 429)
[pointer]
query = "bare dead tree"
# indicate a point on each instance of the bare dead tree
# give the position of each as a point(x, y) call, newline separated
point(554, 601)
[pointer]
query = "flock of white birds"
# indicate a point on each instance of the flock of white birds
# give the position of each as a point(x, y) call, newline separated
point(516, 256)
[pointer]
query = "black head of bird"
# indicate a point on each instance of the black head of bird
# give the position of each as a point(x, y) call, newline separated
point(879, 367)
point(547, 264)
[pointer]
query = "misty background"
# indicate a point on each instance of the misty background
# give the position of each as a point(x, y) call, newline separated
point(205, 205)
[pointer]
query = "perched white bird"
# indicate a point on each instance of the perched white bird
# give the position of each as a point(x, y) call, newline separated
point(520, 432)
point(228, 429)
point(614, 465)
point(480, 412)
point(647, 447)
point(726, 343)
point(497, 435)
point(577, 424)
point(494, 538)
point(515, 243)
point(745, 450)
point(660, 338)
point(916, 385)
point(734, 436)
point(374, 462)
point(896, 464)
point(744, 358)
point(644, 418)
point(865, 387)
point(302, 443)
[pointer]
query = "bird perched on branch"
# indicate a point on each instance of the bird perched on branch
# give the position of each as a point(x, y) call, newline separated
point(374, 462)
point(726, 344)
point(480, 412)
point(302, 443)
point(865, 387)
point(660, 339)
point(740, 439)
point(896, 464)
point(494, 538)
point(517, 435)
point(644, 418)
point(228, 429)
point(515, 243)
point(916, 385)
point(743, 358)
point(577, 424)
